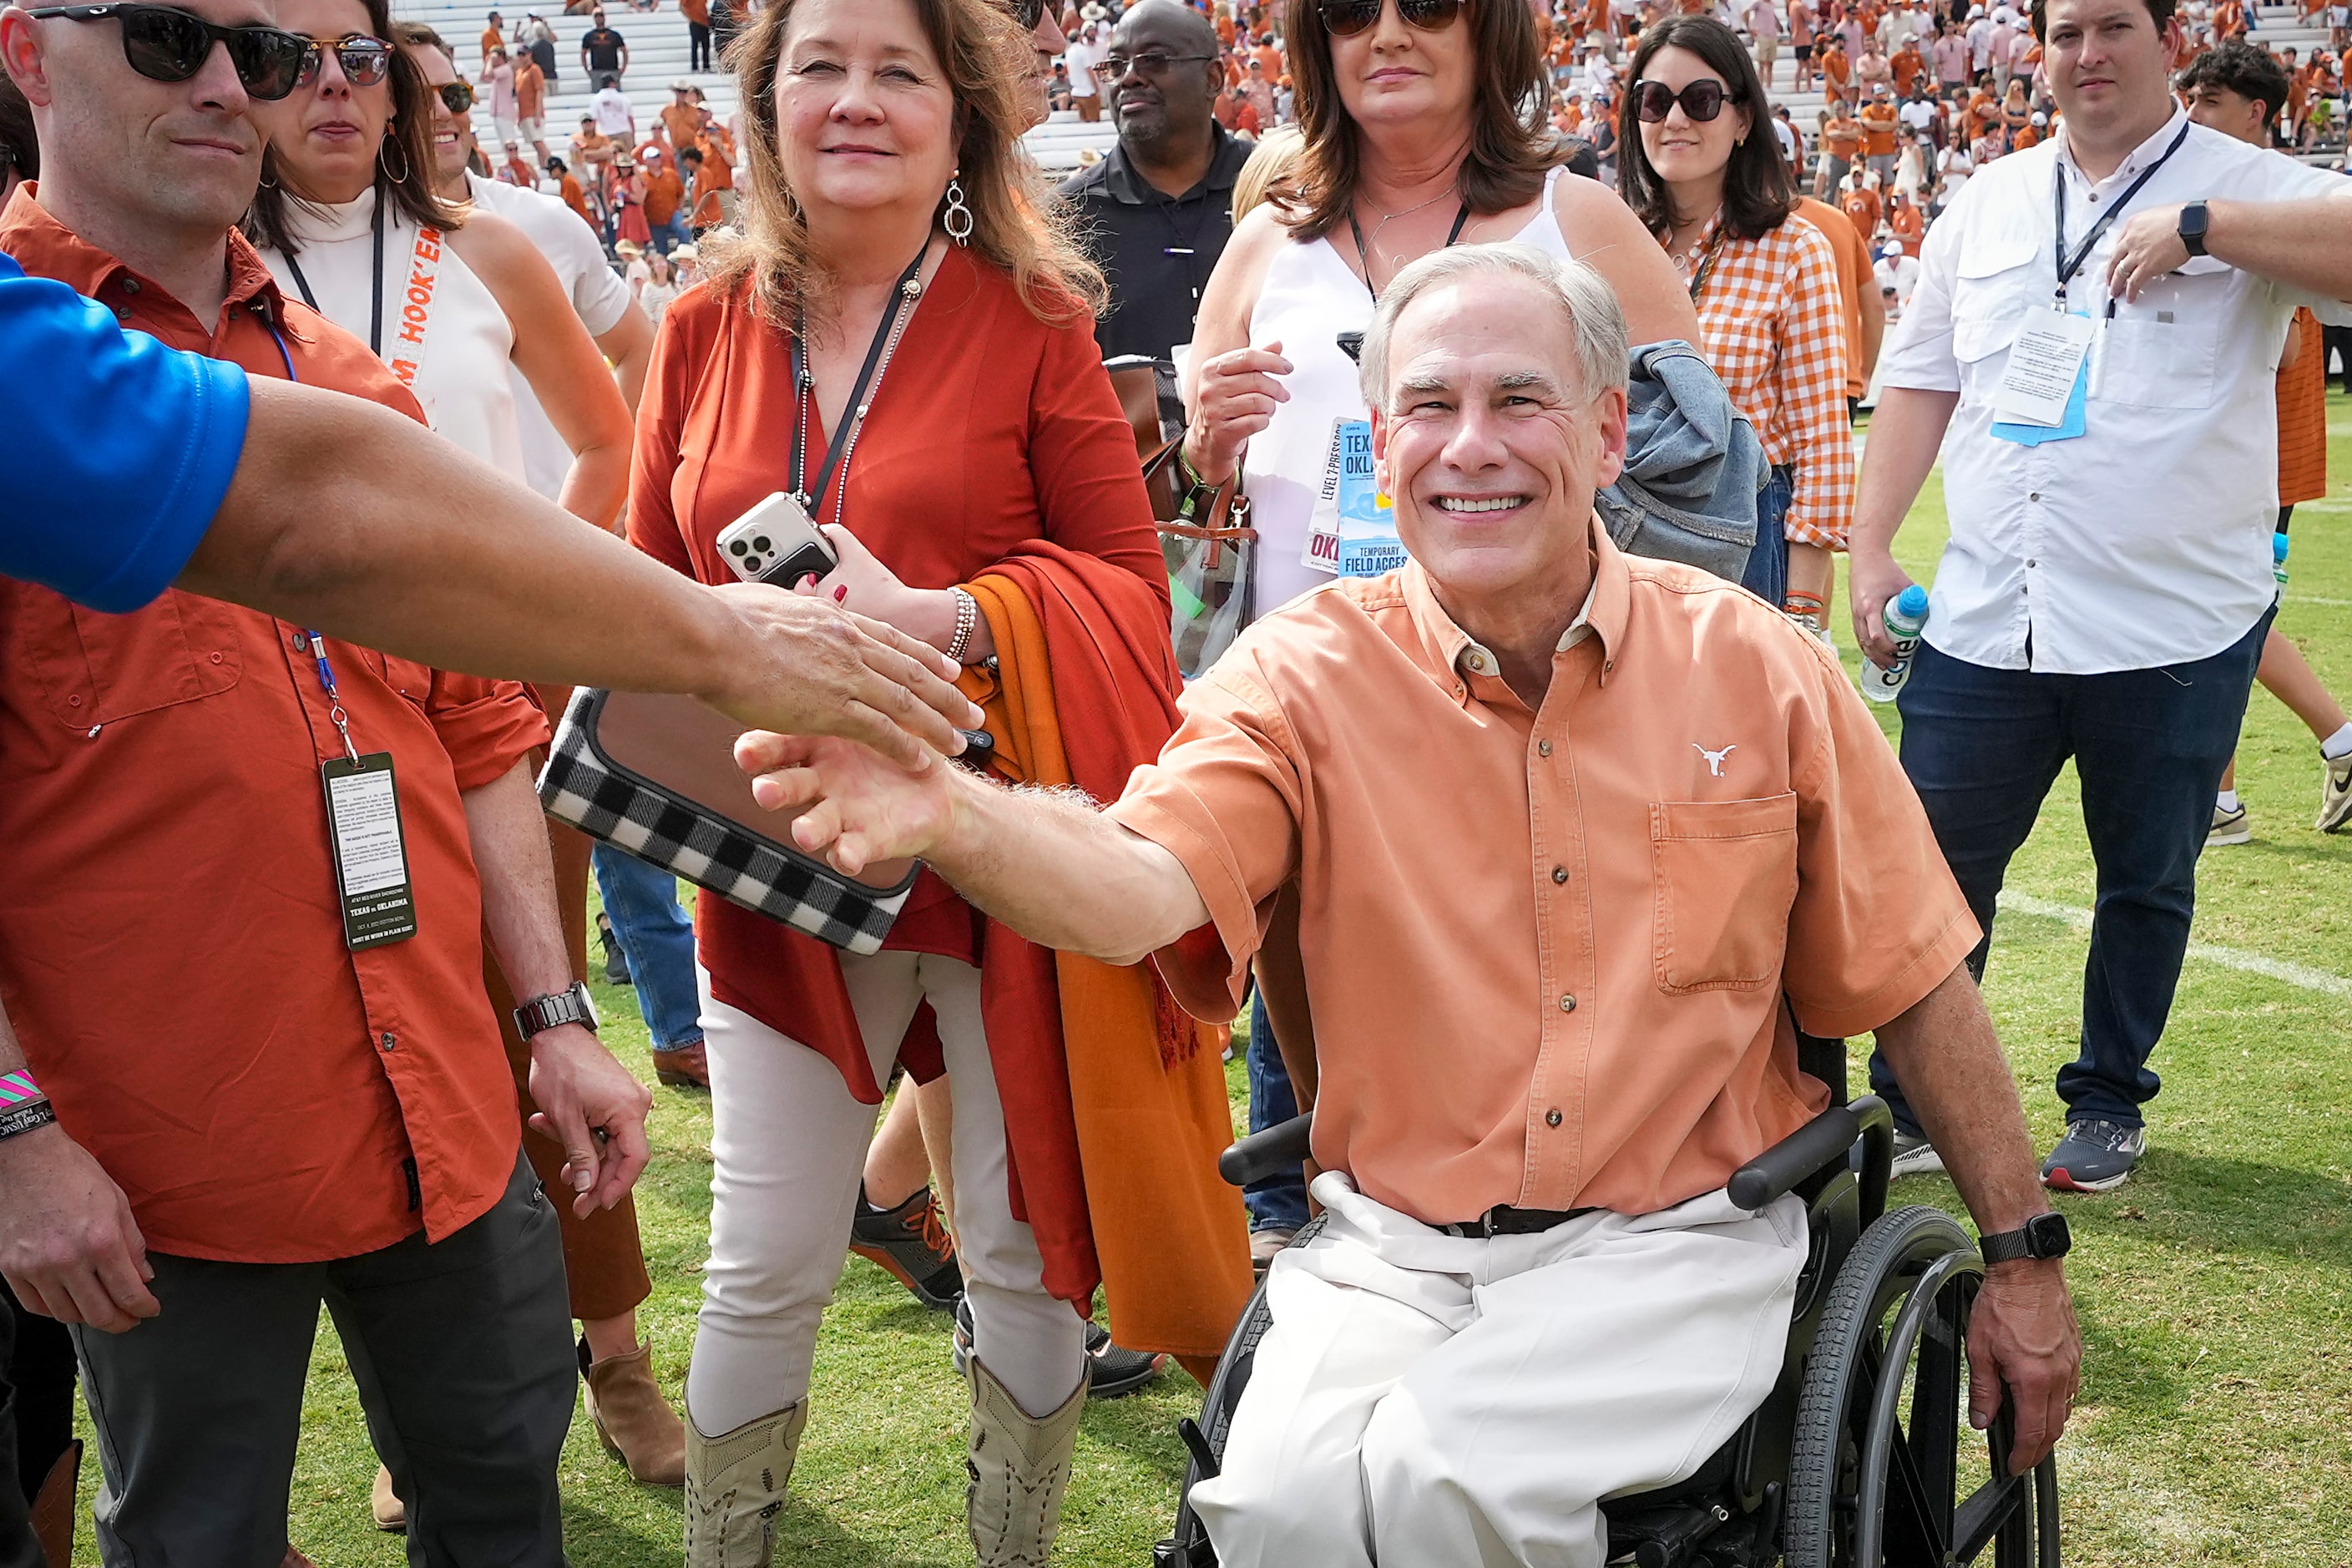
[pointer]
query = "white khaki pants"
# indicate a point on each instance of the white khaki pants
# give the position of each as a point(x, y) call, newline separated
point(1425, 1399)
point(788, 1153)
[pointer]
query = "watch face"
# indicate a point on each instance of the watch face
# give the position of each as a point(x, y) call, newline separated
point(2047, 1236)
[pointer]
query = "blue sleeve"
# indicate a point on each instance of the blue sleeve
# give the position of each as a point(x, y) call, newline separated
point(123, 448)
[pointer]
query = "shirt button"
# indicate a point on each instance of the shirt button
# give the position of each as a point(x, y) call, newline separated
point(2033, 495)
point(2034, 563)
point(1551, 1117)
point(73, 701)
point(131, 284)
point(1559, 873)
point(1543, 748)
point(388, 1040)
point(1568, 1004)
point(216, 659)
point(301, 643)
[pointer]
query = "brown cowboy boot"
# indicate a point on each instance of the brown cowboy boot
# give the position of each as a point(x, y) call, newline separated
point(55, 1508)
point(633, 1418)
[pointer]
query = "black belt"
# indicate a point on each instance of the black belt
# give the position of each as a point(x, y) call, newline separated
point(1505, 1220)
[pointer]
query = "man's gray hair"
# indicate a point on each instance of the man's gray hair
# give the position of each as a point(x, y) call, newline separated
point(1584, 296)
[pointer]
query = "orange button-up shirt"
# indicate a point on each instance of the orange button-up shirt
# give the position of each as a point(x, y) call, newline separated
point(1545, 952)
point(171, 943)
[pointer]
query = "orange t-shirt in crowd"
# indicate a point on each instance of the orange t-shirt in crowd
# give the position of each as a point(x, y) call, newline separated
point(1860, 208)
point(1908, 226)
point(577, 199)
point(1615, 1036)
point(1879, 122)
point(171, 939)
point(491, 40)
point(680, 120)
point(2302, 414)
point(1906, 65)
point(1225, 31)
point(1853, 275)
point(1835, 68)
point(2025, 136)
point(1842, 137)
point(1269, 60)
point(717, 156)
point(664, 194)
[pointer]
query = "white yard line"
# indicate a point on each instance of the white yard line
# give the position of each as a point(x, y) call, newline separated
point(2211, 952)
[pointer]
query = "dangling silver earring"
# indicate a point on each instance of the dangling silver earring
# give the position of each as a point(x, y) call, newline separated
point(384, 146)
point(958, 221)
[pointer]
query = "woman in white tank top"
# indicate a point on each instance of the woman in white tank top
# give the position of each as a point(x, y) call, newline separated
point(1413, 141)
point(447, 295)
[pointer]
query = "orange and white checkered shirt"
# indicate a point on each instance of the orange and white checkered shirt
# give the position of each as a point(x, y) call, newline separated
point(1774, 329)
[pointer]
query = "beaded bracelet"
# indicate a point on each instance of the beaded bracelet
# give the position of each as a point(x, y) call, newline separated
point(967, 621)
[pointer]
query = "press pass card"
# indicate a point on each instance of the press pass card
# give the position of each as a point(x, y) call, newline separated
point(370, 860)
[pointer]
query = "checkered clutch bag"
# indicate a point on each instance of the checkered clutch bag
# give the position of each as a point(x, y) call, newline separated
point(688, 835)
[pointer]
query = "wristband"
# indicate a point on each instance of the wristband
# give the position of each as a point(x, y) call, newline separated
point(26, 1117)
point(18, 1089)
point(967, 622)
point(1195, 487)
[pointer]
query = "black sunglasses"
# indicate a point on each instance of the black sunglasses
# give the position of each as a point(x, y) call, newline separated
point(457, 95)
point(1346, 18)
point(1152, 63)
point(366, 62)
point(163, 44)
point(1702, 101)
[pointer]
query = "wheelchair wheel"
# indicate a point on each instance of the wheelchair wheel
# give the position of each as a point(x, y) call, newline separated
point(1882, 1417)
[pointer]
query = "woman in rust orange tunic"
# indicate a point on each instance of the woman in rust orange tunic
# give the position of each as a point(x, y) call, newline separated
point(903, 338)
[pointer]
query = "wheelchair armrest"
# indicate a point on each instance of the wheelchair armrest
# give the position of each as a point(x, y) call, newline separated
point(1263, 1154)
point(1820, 1144)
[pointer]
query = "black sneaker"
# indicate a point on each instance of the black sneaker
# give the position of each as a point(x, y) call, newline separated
point(2094, 1157)
point(913, 1244)
point(1110, 1370)
point(616, 961)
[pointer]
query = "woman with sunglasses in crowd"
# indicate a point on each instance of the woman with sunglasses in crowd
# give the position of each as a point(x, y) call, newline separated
point(1704, 172)
point(902, 335)
point(1415, 139)
point(349, 220)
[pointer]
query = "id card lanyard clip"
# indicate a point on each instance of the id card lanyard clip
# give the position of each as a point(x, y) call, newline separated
point(342, 720)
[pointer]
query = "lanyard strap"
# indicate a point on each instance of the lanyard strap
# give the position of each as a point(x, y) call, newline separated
point(2066, 268)
point(886, 331)
point(376, 313)
point(342, 720)
point(1460, 220)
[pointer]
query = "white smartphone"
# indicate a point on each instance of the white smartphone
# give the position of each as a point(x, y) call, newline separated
point(775, 543)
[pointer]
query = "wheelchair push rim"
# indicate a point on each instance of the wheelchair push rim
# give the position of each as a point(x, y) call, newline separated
point(1874, 1479)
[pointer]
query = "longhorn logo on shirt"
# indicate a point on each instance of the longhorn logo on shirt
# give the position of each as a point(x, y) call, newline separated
point(1714, 759)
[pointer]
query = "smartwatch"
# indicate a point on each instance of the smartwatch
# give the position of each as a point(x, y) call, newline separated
point(2194, 220)
point(2043, 1235)
point(543, 1013)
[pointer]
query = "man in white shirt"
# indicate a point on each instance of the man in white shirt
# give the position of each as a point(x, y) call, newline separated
point(1088, 50)
point(614, 114)
point(2108, 584)
point(1897, 271)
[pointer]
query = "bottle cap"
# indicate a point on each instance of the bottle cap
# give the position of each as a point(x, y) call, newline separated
point(1912, 602)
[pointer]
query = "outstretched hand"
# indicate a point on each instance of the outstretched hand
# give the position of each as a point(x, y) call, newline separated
point(855, 807)
point(809, 667)
point(2023, 1338)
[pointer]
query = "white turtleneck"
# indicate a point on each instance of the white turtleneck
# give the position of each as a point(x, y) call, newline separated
point(460, 375)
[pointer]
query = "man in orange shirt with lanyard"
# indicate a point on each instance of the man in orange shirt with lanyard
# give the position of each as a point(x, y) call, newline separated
point(1530, 1289)
point(279, 1054)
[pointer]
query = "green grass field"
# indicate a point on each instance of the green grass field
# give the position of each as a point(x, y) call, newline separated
point(2215, 1291)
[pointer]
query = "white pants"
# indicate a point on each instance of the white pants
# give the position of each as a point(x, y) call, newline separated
point(788, 1150)
point(1423, 1398)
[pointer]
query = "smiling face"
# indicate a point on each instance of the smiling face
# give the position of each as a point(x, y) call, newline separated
point(323, 139)
point(453, 134)
point(2108, 63)
point(1395, 73)
point(1680, 148)
point(864, 113)
point(182, 156)
point(1174, 106)
point(1489, 446)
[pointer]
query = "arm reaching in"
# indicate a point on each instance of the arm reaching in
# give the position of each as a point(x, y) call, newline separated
point(1046, 862)
point(2024, 1335)
point(426, 552)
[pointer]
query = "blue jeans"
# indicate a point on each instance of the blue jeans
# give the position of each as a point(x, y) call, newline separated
point(668, 236)
point(1280, 1202)
point(659, 942)
point(1982, 747)
point(1767, 576)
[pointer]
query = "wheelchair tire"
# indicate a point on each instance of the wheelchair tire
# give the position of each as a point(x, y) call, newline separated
point(1861, 1492)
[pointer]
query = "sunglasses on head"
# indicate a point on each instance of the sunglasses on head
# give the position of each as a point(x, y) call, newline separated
point(1701, 100)
point(458, 96)
point(163, 44)
point(365, 61)
point(1346, 18)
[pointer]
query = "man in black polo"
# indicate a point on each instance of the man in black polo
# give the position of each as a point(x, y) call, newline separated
point(602, 52)
point(1157, 211)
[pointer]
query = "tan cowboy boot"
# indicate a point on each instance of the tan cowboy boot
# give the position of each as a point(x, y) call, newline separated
point(391, 1515)
point(53, 1507)
point(633, 1418)
point(1019, 1466)
point(735, 1488)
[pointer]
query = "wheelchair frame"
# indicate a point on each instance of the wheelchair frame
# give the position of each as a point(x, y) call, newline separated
point(1834, 1469)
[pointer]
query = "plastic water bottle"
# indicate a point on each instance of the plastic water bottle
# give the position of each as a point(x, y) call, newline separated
point(1907, 616)
point(2278, 557)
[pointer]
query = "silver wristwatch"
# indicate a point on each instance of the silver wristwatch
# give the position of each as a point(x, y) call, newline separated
point(543, 1013)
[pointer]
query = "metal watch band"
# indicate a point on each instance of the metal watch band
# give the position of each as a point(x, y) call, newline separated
point(540, 1013)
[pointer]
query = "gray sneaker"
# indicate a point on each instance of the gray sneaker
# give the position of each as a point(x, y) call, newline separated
point(2229, 827)
point(2094, 1157)
point(2334, 794)
point(1914, 1157)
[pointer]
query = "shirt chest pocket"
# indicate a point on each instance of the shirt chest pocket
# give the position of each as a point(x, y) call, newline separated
point(1995, 284)
point(96, 668)
point(2164, 349)
point(1723, 876)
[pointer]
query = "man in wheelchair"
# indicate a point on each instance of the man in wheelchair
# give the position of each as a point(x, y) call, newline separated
point(1565, 829)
